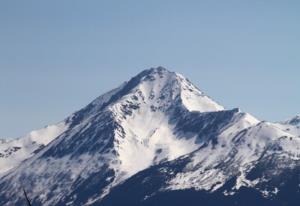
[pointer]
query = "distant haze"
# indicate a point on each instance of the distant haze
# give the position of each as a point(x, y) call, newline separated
point(57, 56)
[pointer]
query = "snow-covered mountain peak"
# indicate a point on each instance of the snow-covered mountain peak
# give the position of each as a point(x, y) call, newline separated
point(293, 121)
point(14, 151)
point(156, 89)
point(140, 123)
point(145, 108)
point(156, 120)
point(160, 89)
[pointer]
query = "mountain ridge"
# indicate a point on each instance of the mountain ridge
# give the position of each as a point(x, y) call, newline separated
point(164, 117)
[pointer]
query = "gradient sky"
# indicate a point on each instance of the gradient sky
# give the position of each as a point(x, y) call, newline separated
point(56, 56)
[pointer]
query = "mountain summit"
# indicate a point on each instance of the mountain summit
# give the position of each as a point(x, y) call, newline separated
point(150, 138)
point(159, 86)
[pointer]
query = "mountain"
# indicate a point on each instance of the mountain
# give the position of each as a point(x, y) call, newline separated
point(158, 140)
point(295, 121)
point(14, 151)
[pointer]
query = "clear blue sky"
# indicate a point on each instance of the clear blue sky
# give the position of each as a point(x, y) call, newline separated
point(56, 56)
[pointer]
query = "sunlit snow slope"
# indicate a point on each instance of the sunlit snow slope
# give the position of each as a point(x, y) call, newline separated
point(14, 151)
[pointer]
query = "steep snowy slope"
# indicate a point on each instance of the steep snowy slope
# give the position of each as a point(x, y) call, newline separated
point(14, 151)
point(260, 160)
